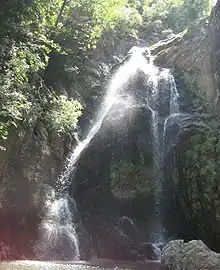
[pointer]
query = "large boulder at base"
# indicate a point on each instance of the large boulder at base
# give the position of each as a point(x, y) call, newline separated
point(193, 255)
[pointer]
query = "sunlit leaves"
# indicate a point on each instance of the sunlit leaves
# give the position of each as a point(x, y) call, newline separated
point(100, 16)
point(31, 31)
point(175, 14)
point(42, 15)
point(63, 115)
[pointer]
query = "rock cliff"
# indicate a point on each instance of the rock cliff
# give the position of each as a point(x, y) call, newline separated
point(195, 50)
point(191, 188)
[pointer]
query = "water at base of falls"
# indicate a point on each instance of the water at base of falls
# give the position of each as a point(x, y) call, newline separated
point(58, 236)
point(93, 265)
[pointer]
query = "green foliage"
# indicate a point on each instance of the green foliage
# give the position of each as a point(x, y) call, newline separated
point(24, 51)
point(14, 104)
point(129, 22)
point(63, 115)
point(175, 14)
point(128, 179)
point(97, 17)
point(29, 32)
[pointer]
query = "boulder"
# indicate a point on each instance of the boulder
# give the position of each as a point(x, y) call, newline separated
point(192, 255)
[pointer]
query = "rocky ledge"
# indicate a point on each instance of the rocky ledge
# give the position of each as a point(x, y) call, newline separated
point(195, 50)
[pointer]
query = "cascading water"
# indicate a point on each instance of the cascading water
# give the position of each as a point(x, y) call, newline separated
point(153, 102)
point(118, 81)
point(54, 226)
point(58, 237)
point(160, 141)
point(58, 222)
point(174, 112)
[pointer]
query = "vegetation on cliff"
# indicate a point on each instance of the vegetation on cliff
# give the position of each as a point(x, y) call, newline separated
point(175, 15)
point(32, 31)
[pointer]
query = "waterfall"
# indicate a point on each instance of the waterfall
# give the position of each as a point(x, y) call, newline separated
point(174, 95)
point(54, 226)
point(58, 237)
point(58, 229)
point(156, 147)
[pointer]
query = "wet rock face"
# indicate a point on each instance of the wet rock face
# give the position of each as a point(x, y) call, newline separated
point(191, 186)
point(193, 255)
point(102, 202)
point(115, 242)
point(191, 190)
point(114, 183)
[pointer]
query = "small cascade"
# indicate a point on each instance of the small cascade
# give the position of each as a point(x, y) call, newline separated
point(174, 112)
point(58, 237)
point(127, 220)
point(156, 147)
point(174, 95)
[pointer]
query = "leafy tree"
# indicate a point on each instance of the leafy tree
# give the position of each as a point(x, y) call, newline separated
point(30, 31)
point(63, 114)
point(175, 14)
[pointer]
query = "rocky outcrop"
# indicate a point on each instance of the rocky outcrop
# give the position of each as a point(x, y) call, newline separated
point(191, 187)
point(193, 255)
point(117, 241)
point(195, 50)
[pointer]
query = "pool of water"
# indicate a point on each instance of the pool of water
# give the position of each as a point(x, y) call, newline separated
point(98, 264)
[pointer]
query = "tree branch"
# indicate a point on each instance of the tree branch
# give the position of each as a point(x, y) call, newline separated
point(65, 2)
